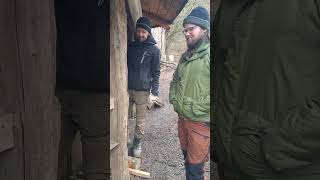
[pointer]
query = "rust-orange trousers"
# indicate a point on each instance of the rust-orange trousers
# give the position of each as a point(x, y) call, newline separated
point(194, 139)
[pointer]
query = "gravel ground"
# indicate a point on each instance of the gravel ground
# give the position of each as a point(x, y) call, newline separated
point(161, 153)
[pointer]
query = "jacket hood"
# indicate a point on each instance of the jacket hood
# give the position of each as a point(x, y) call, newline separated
point(149, 41)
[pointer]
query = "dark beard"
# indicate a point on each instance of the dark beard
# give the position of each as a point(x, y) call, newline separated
point(195, 44)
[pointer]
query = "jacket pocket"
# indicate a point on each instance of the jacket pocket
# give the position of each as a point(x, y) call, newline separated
point(246, 144)
point(199, 140)
point(186, 108)
point(201, 107)
point(295, 142)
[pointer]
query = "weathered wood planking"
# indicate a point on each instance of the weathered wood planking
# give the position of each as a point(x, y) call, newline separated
point(11, 160)
point(41, 114)
point(6, 132)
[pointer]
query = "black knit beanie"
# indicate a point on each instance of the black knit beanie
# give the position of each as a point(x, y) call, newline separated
point(145, 23)
point(199, 16)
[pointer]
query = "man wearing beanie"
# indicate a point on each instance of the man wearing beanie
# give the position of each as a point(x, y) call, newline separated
point(143, 77)
point(190, 94)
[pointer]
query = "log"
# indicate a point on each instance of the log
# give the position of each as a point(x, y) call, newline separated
point(139, 173)
point(118, 89)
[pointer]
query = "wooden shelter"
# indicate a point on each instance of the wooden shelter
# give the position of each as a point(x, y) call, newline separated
point(29, 109)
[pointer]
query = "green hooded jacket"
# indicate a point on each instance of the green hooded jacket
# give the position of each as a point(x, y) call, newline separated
point(267, 89)
point(190, 87)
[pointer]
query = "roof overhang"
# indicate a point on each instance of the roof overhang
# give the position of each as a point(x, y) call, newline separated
point(162, 12)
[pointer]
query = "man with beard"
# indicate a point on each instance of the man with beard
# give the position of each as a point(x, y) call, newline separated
point(143, 76)
point(190, 94)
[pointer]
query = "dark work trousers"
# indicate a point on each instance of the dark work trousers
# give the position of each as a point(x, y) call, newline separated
point(85, 112)
point(195, 141)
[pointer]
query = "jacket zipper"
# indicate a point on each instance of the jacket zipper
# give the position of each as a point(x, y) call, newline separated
point(144, 53)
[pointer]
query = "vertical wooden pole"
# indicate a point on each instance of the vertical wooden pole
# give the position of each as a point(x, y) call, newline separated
point(118, 85)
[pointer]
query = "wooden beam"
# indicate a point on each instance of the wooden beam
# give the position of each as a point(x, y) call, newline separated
point(139, 173)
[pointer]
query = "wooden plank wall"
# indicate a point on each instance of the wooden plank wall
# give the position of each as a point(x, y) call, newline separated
point(27, 67)
point(118, 89)
point(27, 76)
point(11, 160)
point(41, 113)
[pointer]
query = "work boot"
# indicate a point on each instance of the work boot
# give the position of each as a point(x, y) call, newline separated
point(136, 147)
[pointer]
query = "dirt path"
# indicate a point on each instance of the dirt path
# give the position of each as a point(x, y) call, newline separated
point(162, 156)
